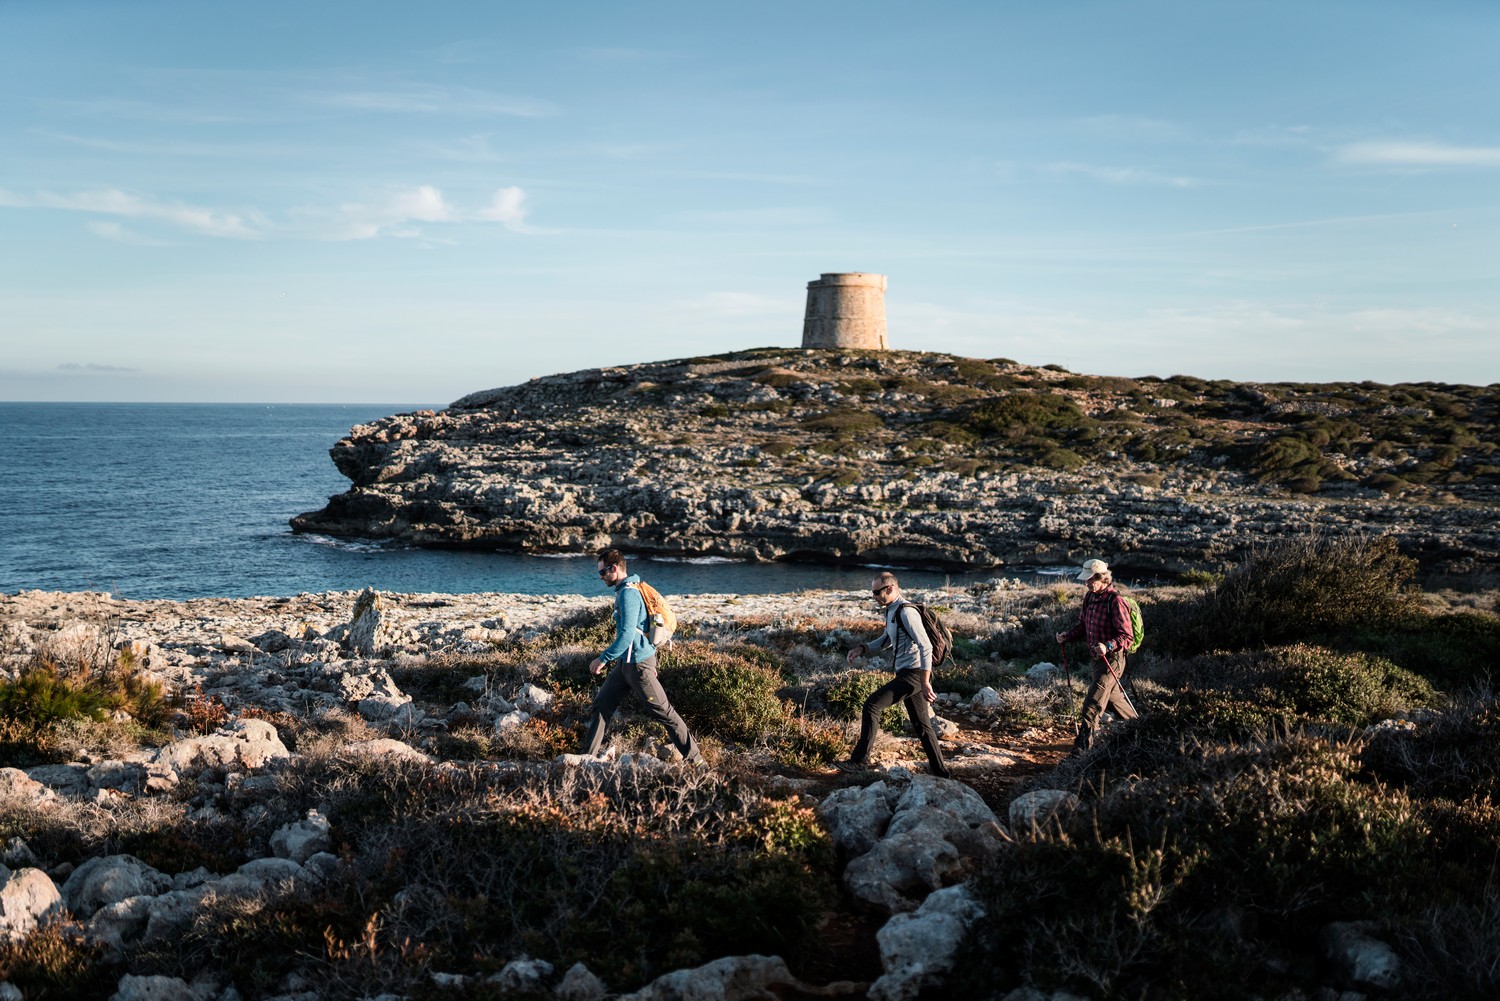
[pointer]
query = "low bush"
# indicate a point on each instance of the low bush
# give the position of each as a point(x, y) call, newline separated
point(54, 962)
point(1450, 755)
point(1187, 881)
point(1297, 590)
point(49, 693)
point(726, 692)
point(810, 743)
point(643, 873)
point(845, 696)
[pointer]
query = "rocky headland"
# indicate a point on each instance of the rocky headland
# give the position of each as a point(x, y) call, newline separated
point(913, 458)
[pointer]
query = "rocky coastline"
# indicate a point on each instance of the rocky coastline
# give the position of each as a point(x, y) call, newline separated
point(900, 458)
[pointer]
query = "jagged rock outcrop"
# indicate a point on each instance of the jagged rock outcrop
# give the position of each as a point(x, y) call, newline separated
point(892, 457)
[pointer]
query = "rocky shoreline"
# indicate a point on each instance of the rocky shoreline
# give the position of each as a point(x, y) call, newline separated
point(862, 457)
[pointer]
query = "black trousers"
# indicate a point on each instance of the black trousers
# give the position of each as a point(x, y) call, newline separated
point(905, 687)
point(641, 681)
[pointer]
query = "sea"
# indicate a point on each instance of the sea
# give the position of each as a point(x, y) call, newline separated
point(185, 500)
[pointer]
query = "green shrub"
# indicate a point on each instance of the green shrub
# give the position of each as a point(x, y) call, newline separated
point(1295, 590)
point(1025, 412)
point(846, 694)
point(810, 744)
point(1456, 650)
point(1130, 899)
point(729, 693)
point(590, 627)
point(1320, 685)
point(844, 421)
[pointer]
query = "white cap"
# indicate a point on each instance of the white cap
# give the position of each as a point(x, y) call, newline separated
point(1091, 567)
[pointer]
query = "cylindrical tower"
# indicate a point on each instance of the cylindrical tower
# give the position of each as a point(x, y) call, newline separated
point(845, 310)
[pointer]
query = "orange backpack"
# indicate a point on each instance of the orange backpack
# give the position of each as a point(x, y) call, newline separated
point(661, 621)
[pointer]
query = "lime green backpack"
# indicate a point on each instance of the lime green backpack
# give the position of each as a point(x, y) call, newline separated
point(1137, 626)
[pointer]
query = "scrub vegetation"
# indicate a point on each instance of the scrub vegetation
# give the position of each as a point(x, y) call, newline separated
point(1318, 744)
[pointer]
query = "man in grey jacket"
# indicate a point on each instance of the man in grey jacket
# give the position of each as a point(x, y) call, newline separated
point(912, 659)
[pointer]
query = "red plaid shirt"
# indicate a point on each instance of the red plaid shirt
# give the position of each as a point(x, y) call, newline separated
point(1105, 619)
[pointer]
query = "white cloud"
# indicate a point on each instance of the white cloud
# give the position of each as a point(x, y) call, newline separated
point(1121, 175)
point(507, 208)
point(421, 204)
point(1420, 154)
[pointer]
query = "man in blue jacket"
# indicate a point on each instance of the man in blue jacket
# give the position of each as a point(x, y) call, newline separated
point(636, 667)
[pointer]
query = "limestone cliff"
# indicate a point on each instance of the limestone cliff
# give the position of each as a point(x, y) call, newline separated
point(913, 458)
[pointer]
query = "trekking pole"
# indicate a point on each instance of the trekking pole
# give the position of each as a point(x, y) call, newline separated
point(1119, 683)
point(1062, 650)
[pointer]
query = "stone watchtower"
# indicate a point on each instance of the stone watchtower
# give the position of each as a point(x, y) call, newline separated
point(845, 310)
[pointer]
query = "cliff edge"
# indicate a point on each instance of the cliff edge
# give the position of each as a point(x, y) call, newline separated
point(914, 458)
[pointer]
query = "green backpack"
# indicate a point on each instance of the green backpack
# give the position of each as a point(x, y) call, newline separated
point(1137, 626)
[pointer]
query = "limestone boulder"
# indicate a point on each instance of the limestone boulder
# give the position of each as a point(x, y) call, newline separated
point(110, 879)
point(733, 978)
point(900, 871)
point(1365, 961)
point(580, 984)
point(67, 780)
point(985, 698)
point(856, 817)
point(17, 785)
point(303, 839)
point(247, 743)
point(1045, 673)
point(522, 976)
point(160, 988)
point(918, 950)
point(120, 924)
point(384, 747)
point(27, 897)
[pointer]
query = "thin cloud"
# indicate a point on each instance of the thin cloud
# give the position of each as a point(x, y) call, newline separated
point(1122, 175)
point(73, 366)
point(169, 148)
point(113, 201)
point(740, 304)
point(428, 99)
point(119, 234)
point(1420, 154)
point(397, 214)
point(754, 217)
point(742, 176)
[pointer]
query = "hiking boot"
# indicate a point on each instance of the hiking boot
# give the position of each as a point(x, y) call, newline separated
point(850, 765)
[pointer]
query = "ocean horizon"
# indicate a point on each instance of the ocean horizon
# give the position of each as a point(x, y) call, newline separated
point(189, 500)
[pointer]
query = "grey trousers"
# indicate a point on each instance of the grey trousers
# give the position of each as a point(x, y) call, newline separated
point(1104, 693)
point(640, 680)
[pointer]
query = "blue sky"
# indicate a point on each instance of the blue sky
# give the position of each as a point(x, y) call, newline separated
point(383, 202)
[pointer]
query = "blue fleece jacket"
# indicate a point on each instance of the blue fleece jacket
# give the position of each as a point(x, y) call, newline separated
point(630, 625)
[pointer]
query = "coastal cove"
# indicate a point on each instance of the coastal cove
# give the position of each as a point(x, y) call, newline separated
point(191, 500)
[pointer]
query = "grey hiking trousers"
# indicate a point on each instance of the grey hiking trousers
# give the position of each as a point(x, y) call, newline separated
point(1104, 693)
point(639, 679)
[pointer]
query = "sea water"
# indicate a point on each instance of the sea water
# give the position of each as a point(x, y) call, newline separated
point(182, 500)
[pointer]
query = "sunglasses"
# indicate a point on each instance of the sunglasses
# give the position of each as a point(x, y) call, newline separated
point(606, 571)
point(881, 590)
